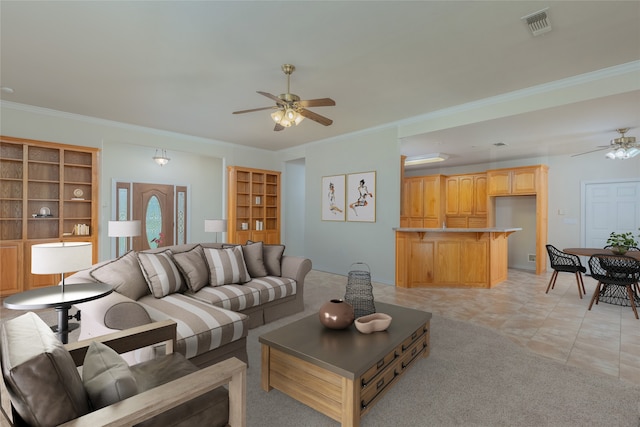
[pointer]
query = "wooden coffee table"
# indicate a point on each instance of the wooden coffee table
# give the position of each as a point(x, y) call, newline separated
point(343, 373)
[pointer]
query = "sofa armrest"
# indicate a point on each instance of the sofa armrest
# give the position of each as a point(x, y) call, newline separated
point(295, 268)
point(129, 340)
point(114, 312)
point(152, 402)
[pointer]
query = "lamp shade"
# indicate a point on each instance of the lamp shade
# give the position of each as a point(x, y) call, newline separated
point(215, 225)
point(124, 228)
point(61, 257)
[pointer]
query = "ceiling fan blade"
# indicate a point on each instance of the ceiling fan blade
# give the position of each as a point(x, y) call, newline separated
point(320, 102)
point(275, 98)
point(315, 117)
point(254, 109)
point(592, 151)
point(278, 127)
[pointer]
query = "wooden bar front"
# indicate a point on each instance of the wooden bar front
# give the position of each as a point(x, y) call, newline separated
point(451, 257)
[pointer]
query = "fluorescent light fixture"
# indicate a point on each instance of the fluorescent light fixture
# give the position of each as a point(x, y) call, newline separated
point(427, 158)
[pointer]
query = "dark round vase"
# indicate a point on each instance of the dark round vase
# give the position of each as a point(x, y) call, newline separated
point(336, 314)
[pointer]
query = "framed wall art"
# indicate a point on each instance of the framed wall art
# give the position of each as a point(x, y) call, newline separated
point(361, 197)
point(333, 199)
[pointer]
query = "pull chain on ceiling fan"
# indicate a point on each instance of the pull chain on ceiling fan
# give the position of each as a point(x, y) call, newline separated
point(290, 110)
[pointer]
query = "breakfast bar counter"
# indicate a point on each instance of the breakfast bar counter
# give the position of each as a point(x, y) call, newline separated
point(452, 257)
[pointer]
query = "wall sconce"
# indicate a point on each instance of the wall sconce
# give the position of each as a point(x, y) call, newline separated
point(215, 226)
point(161, 159)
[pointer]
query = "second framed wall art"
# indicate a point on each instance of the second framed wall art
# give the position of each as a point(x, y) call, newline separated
point(361, 190)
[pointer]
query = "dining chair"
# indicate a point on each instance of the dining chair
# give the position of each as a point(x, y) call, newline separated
point(618, 271)
point(568, 263)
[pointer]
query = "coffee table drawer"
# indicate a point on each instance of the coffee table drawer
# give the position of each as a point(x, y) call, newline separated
point(417, 349)
point(372, 391)
point(371, 373)
point(417, 334)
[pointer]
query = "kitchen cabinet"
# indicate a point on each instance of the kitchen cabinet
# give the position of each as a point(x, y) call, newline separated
point(422, 204)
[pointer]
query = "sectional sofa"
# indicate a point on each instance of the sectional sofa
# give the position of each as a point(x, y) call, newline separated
point(214, 292)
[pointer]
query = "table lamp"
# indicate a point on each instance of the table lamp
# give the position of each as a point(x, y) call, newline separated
point(61, 257)
point(215, 226)
point(128, 229)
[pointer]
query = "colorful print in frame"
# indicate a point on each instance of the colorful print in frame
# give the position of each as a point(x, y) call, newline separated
point(333, 199)
point(361, 197)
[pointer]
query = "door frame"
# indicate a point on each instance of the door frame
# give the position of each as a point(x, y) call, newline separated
point(113, 216)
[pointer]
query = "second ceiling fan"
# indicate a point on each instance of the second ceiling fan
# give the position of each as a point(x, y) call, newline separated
point(290, 109)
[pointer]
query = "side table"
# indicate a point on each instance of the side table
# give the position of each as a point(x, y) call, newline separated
point(61, 298)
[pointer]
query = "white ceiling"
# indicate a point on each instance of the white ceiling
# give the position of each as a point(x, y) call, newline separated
point(185, 66)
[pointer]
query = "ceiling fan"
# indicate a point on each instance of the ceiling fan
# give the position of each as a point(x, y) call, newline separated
point(623, 147)
point(290, 109)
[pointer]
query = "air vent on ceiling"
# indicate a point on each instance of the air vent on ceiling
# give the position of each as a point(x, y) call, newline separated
point(499, 144)
point(538, 22)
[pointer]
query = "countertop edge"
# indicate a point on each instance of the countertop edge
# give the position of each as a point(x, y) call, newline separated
point(457, 230)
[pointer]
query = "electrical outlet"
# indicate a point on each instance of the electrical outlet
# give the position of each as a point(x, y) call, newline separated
point(532, 258)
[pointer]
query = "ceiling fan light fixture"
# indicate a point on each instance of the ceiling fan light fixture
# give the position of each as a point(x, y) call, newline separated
point(623, 147)
point(287, 117)
point(426, 158)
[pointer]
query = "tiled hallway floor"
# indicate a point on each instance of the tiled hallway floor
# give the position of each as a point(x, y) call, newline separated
point(557, 325)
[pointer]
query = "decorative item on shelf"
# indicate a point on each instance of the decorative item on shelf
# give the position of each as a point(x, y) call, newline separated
point(44, 212)
point(81, 230)
point(336, 314)
point(375, 322)
point(215, 226)
point(359, 291)
point(245, 225)
point(621, 242)
point(77, 194)
point(161, 158)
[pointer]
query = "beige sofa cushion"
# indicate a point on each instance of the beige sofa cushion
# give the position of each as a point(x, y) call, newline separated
point(106, 376)
point(161, 274)
point(272, 258)
point(40, 375)
point(193, 267)
point(124, 274)
point(226, 266)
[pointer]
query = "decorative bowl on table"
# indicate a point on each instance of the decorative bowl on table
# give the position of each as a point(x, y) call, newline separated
point(375, 322)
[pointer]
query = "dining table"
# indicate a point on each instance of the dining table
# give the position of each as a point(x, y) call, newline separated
point(609, 294)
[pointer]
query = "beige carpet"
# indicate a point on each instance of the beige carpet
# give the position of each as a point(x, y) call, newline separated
point(473, 377)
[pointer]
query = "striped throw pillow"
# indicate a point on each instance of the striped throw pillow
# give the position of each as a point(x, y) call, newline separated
point(161, 274)
point(226, 266)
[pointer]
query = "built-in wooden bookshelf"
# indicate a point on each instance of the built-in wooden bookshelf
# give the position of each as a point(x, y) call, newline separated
point(48, 193)
point(254, 200)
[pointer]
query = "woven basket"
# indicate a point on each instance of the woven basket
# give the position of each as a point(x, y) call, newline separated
point(359, 291)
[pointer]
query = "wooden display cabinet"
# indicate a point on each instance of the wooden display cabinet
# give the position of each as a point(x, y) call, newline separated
point(254, 200)
point(46, 190)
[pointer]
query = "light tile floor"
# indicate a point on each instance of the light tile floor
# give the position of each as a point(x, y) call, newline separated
point(557, 325)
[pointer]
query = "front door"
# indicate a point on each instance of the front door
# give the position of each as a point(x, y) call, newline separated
point(153, 205)
point(609, 207)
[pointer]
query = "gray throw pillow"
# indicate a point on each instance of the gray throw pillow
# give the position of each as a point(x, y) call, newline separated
point(193, 267)
point(253, 257)
point(272, 258)
point(106, 376)
point(124, 274)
